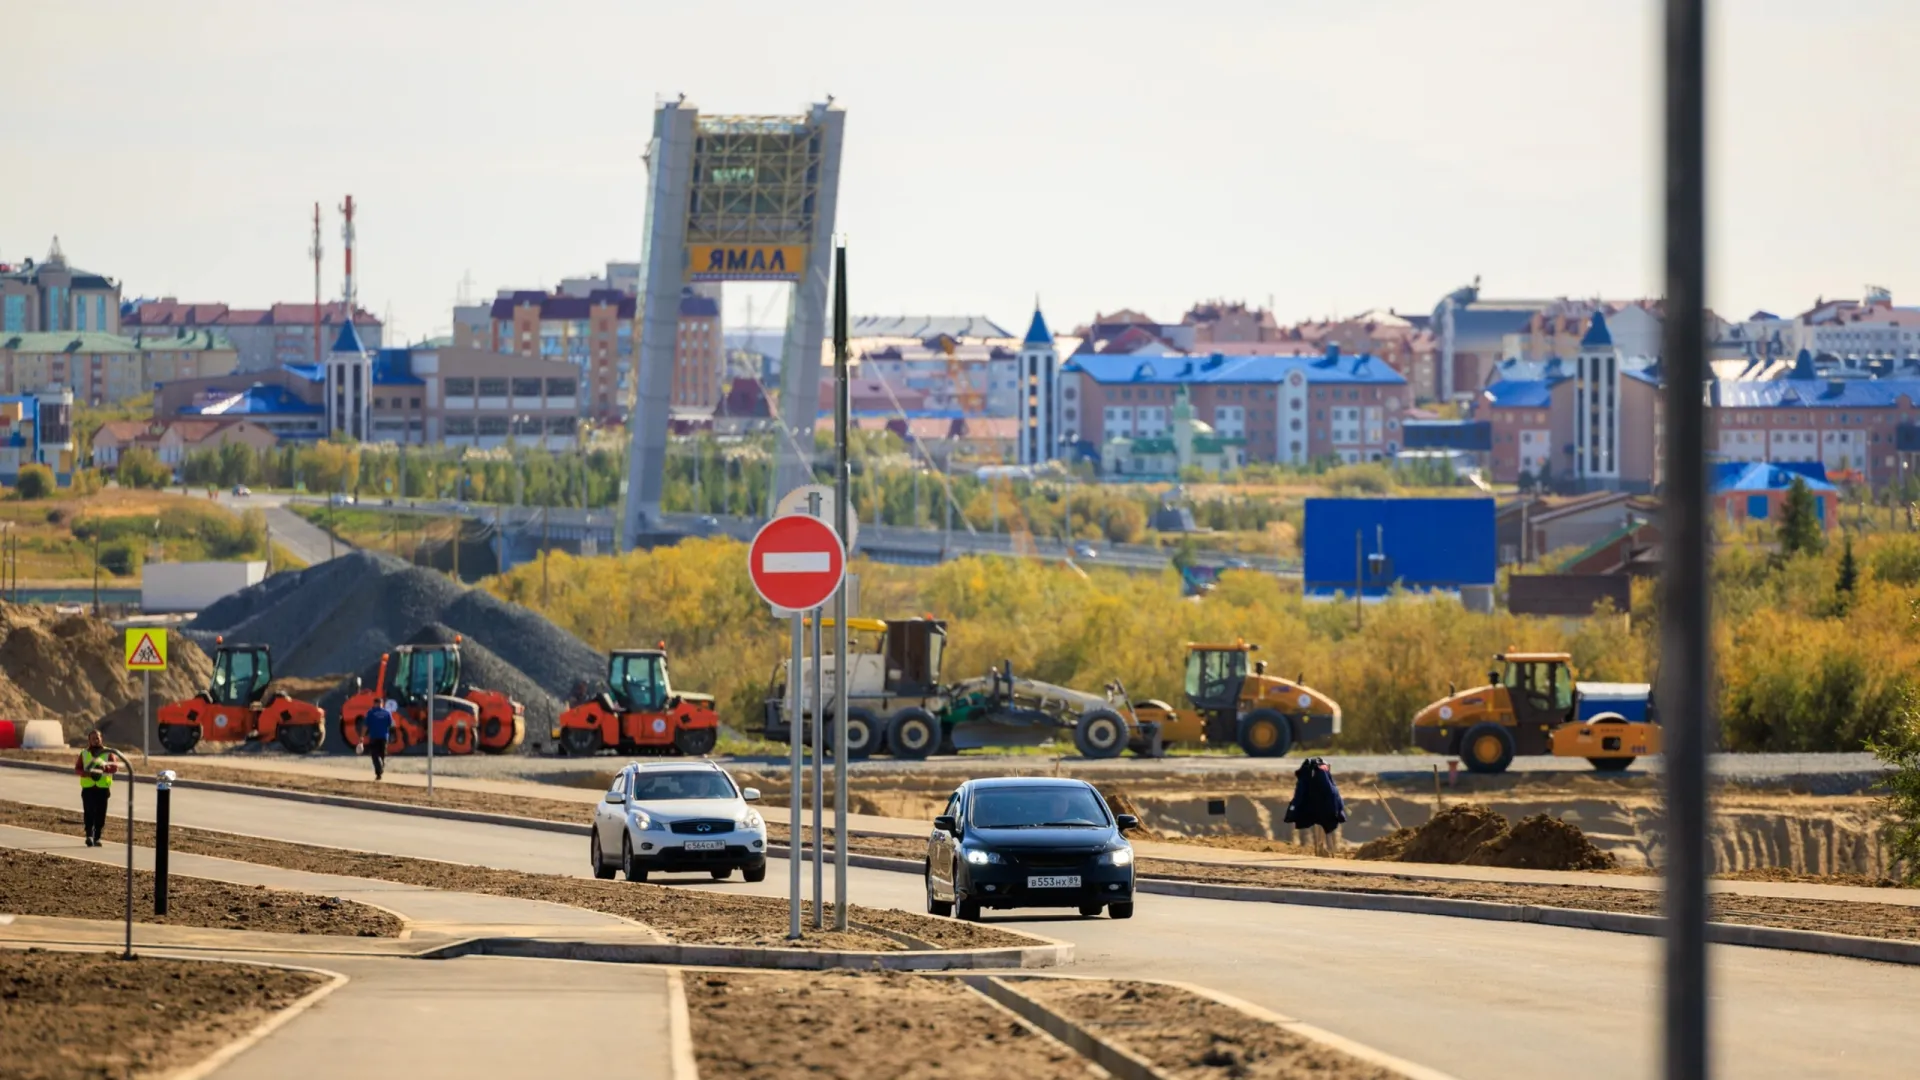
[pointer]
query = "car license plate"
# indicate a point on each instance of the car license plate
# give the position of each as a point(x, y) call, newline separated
point(1055, 881)
point(705, 845)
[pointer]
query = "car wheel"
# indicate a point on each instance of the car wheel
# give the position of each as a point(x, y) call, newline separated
point(1089, 910)
point(968, 910)
point(722, 874)
point(628, 865)
point(937, 907)
point(754, 873)
point(601, 869)
point(1121, 911)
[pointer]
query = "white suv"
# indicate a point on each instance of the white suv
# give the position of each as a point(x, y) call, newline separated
point(678, 816)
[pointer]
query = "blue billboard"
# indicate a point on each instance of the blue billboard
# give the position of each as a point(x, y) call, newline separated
point(1417, 544)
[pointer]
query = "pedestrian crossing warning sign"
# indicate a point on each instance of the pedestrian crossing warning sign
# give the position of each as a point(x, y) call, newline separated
point(146, 649)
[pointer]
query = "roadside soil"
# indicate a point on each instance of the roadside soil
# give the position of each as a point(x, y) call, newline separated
point(1834, 916)
point(878, 1025)
point(141, 1017)
point(683, 915)
point(1187, 1035)
point(32, 883)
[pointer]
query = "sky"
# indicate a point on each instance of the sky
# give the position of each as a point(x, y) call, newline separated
point(1324, 157)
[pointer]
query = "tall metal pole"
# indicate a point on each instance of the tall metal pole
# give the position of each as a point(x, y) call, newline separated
point(1684, 675)
point(842, 482)
point(796, 734)
point(146, 712)
point(819, 758)
point(433, 683)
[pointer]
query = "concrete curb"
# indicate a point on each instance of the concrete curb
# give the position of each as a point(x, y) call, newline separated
point(1121, 1062)
point(212, 1063)
point(680, 1061)
point(348, 802)
point(1050, 954)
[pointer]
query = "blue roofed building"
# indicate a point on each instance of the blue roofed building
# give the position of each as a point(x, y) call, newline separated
point(1860, 430)
point(1292, 409)
point(1757, 491)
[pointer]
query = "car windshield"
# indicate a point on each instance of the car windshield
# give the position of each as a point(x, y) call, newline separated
point(683, 784)
point(1037, 807)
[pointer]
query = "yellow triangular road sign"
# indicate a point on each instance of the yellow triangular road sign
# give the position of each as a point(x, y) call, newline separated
point(146, 650)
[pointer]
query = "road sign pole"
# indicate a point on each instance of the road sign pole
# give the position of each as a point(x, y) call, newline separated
point(146, 713)
point(433, 681)
point(796, 734)
point(819, 759)
point(841, 481)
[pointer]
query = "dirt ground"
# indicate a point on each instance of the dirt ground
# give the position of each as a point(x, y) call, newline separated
point(880, 1025)
point(1467, 834)
point(683, 915)
point(1187, 1035)
point(35, 884)
point(142, 1017)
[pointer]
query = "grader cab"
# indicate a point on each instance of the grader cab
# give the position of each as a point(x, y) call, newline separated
point(1263, 714)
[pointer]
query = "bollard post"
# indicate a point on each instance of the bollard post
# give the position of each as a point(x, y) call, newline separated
point(162, 811)
point(127, 953)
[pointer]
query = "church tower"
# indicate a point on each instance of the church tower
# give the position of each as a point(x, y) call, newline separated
point(1038, 409)
point(349, 385)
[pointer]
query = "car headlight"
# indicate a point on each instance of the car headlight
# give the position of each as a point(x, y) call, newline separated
point(1120, 856)
point(977, 857)
point(750, 820)
point(644, 822)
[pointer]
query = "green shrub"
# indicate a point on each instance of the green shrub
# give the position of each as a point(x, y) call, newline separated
point(35, 482)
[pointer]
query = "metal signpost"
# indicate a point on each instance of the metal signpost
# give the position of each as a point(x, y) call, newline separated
point(1685, 707)
point(127, 953)
point(146, 653)
point(796, 562)
point(845, 525)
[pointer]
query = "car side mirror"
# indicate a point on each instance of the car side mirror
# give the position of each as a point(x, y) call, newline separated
point(946, 824)
point(616, 797)
point(1127, 821)
point(751, 794)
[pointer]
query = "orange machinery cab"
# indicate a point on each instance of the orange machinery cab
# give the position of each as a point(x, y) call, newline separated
point(465, 719)
point(640, 712)
point(1531, 705)
point(235, 707)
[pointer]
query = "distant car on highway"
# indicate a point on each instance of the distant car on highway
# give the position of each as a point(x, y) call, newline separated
point(342, 500)
point(1084, 550)
point(709, 523)
point(678, 817)
point(1236, 563)
point(1027, 841)
point(242, 491)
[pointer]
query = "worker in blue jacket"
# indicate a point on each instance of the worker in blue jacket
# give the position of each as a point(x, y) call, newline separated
point(375, 727)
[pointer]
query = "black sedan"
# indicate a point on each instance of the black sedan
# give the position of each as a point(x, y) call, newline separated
point(1029, 842)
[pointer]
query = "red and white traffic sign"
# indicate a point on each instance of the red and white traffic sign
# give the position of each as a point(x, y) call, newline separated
point(796, 562)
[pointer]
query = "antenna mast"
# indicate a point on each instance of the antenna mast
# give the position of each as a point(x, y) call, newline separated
point(313, 253)
point(346, 236)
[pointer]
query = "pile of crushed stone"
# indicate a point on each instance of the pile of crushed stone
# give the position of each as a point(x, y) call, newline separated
point(1472, 835)
point(68, 667)
point(341, 615)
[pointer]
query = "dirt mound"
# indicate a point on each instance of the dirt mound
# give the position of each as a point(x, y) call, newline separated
point(344, 613)
point(1472, 835)
point(1120, 802)
point(69, 667)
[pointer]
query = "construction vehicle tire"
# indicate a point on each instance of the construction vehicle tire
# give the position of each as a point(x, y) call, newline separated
point(1101, 733)
point(864, 734)
point(1265, 733)
point(1610, 764)
point(179, 738)
point(602, 869)
point(912, 734)
point(1487, 748)
point(300, 738)
point(579, 741)
point(460, 737)
point(696, 741)
point(495, 734)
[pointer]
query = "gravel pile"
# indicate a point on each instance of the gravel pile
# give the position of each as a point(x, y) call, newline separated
point(341, 615)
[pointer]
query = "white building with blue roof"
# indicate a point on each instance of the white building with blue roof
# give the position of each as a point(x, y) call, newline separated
point(1287, 409)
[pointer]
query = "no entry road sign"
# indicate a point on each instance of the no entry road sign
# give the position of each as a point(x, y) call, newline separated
point(796, 562)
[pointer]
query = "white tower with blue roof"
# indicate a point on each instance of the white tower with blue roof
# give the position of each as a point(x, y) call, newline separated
point(1038, 408)
point(349, 385)
point(1596, 409)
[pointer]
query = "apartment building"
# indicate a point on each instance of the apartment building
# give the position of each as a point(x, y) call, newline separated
point(262, 338)
point(53, 297)
point(102, 368)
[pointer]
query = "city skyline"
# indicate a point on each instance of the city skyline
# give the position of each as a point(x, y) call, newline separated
point(1334, 160)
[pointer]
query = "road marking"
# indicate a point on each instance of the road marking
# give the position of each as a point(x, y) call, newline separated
point(796, 562)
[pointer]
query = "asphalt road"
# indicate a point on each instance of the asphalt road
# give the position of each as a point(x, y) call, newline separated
point(1477, 999)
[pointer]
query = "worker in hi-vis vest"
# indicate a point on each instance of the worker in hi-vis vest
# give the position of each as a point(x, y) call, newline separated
point(95, 768)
